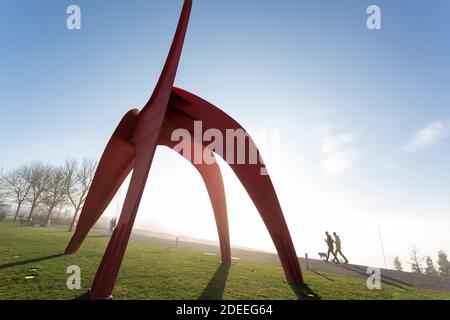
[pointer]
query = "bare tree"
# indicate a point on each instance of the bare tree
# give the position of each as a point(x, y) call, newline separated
point(18, 186)
point(397, 264)
point(79, 178)
point(55, 194)
point(416, 261)
point(3, 190)
point(39, 178)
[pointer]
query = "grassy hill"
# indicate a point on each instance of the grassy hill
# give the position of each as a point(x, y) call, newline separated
point(160, 272)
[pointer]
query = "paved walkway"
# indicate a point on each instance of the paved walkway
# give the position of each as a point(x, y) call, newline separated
point(392, 277)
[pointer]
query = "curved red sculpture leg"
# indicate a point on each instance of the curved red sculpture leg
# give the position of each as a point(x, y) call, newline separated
point(212, 178)
point(214, 184)
point(114, 166)
point(258, 185)
point(109, 267)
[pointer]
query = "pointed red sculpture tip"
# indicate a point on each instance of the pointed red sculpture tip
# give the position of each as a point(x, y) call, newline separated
point(132, 147)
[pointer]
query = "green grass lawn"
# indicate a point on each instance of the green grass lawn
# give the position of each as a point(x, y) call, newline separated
point(157, 272)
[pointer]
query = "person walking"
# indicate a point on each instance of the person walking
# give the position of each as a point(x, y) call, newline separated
point(330, 243)
point(112, 225)
point(337, 241)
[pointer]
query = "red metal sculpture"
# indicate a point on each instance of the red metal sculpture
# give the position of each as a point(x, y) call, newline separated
point(132, 147)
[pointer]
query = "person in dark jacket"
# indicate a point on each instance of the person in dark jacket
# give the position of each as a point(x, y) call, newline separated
point(330, 243)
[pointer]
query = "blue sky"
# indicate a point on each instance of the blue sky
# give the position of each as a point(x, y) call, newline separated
point(364, 116)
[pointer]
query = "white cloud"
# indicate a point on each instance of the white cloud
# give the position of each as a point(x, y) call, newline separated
point(429, 135)
point(337, 152)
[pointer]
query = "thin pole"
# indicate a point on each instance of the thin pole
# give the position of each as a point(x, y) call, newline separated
point(118, 203)
point(382, 247)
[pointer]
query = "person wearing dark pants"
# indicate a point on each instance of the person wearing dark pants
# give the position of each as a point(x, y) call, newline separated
point(337, 241)
point(329, 241)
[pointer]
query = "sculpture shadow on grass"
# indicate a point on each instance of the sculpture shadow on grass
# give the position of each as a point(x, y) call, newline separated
point(304, 292)
point(321, 274)
point(34, 260)
point(84, 296)
point(216, 286)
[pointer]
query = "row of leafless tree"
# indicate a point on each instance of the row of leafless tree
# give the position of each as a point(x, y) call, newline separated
point(425, 265)
point(40, 185)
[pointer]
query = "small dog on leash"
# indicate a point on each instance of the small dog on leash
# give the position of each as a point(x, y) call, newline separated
point(322, 255)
